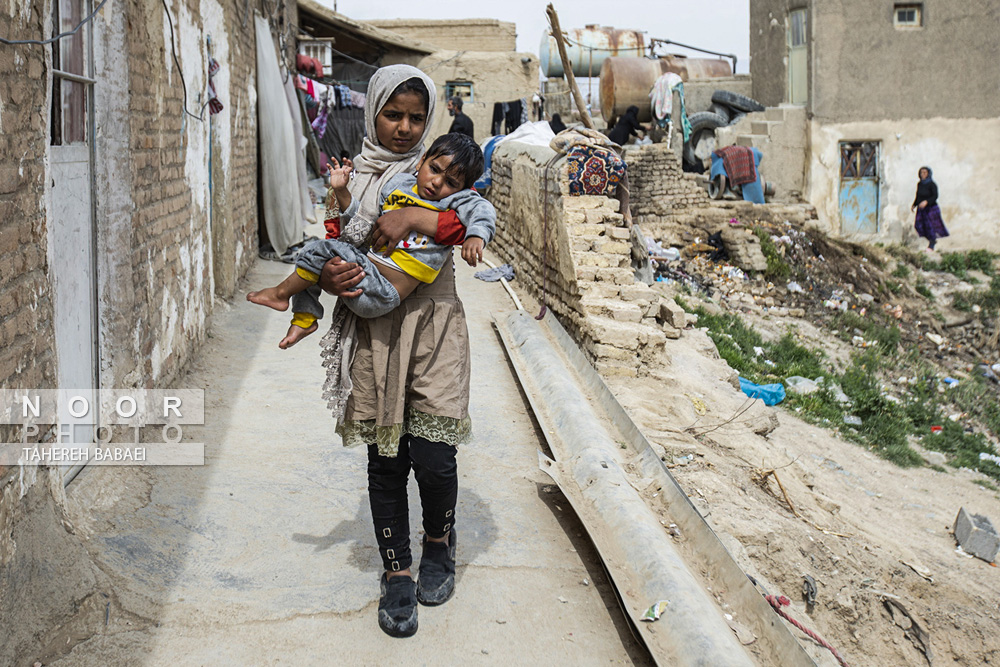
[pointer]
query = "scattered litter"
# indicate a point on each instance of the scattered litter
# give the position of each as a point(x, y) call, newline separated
point(771, 394)
point(809, 590)
point(951, 382)
point(986, 456)
point(563, 600)
point(852, 420)
point(653, 613)
point(585, 582)
point(936, 339)
point(911, 627)
point(505, 271)
point(976, 535)
point(919, 569)
point(937, 429)
point(795, 288)
point(674, 531)
point(799, 385)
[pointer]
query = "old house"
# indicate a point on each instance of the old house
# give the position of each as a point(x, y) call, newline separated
point(863, 94)
point(475, 59)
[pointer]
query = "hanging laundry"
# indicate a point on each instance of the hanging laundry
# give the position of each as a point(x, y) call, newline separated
point(496, 126)
point(358, 99)
point(319, 125)
point(662, 101)
point(512, 116)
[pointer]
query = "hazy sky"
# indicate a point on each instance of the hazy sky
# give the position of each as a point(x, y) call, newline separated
point(719, 25)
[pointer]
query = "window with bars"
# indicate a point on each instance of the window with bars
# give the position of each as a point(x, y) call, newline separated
point(462, 89)
point(859, 159)
point(70, 76)
point(907, 16)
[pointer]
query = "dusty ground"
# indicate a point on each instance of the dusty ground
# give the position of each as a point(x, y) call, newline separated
point(882, 523)
point(265, 554)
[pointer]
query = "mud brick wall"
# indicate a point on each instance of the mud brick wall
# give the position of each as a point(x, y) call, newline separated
point(27, 353)
point(580, 257)
point(666, 202)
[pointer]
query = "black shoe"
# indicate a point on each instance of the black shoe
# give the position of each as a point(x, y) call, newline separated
point(397, 608)
point(436, 581)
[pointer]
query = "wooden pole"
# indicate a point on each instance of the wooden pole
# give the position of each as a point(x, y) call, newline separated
point(581, 106)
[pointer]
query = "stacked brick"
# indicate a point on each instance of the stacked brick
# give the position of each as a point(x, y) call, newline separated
point(664, 199)
point(27, 355)
point(578, 262)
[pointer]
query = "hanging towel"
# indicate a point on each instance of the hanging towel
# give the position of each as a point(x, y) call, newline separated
point(739, 164)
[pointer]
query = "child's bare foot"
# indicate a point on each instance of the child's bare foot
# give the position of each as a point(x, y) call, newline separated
point(269, 297)
point(295, 334)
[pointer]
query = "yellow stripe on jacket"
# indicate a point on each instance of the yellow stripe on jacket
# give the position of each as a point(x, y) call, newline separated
point(406, 262)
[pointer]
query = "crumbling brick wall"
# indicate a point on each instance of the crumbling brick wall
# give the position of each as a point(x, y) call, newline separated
point(576, 257)
point(166, 248)
point(666, 202)
point(27, 354)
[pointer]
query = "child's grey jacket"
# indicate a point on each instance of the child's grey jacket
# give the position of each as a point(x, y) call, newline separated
point(418, 255)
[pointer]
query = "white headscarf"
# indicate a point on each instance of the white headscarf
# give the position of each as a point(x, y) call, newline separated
point(377, 162)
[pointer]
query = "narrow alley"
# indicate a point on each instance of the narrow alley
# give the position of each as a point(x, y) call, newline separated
point(264, 555)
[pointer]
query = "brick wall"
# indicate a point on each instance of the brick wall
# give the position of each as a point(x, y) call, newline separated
point(456, 35)
point(27, 355)
point(580, 258)
point(166, 247)
point(668, 203)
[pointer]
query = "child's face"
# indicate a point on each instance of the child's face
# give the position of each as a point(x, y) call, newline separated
point(433, 180)
point(400, 124)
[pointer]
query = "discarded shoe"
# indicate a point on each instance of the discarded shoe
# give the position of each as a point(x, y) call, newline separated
point(436, 581)
point(397, 608)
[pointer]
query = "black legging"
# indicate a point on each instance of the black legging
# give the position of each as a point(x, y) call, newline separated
point(436, 470)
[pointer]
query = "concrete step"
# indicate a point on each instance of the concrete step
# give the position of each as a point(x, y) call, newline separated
point(763, 126)
point(774, 113)
point(752, 140)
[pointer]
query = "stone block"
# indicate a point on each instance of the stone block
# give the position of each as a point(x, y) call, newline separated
point(977, 536)
point(672, 313)
point(610, 332)
point(638, 292)
point(619, 233)
point(588, 273)
point(670, 332)
point(611, 367)
point(602, 351)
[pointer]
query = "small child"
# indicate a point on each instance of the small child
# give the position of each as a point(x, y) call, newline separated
point(443, 181)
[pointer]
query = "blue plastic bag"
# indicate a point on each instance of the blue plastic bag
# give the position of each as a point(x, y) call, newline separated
point(771, 394)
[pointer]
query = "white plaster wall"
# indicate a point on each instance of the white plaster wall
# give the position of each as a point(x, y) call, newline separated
point(962, 154)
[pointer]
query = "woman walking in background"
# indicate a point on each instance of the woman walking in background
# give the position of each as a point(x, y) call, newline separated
point(929, 223)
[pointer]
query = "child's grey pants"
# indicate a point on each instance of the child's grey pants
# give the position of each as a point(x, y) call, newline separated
point(377, 298)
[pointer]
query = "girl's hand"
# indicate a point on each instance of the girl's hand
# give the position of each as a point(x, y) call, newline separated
point(922, 204)
point(340, 278)
point(340, 175)
point(394, 226)
point(472, 250)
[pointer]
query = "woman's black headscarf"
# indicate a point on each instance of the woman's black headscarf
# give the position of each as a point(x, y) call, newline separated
point(556, 124)
point(930, 175)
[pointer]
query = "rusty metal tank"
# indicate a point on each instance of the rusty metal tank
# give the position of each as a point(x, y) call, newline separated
point(627, 81)
point(588, 48)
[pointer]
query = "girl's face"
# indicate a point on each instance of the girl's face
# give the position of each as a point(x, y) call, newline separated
point(400, 124)
point(923, 174)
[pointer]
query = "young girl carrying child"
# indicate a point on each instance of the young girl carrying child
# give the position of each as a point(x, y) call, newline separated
point(410, 369)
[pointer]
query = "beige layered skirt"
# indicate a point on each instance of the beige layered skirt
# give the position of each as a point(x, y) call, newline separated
point(411, 371)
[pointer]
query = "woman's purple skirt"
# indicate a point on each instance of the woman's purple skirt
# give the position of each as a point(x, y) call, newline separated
point(929, 223)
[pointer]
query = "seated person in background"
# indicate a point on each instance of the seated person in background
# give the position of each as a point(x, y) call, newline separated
point(443, 181)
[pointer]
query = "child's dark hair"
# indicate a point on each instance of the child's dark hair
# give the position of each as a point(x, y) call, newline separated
point(417, 86)
point(467, 160)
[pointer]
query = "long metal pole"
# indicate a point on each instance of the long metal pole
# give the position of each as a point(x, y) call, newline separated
point(581, 106)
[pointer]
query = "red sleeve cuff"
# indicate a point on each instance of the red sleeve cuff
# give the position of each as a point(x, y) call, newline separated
point(450, 229)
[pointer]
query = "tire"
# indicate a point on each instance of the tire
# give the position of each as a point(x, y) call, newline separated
point(722, 110)
point(717, 187)
point(737, 117)
point(736, 101)
point(701, 143)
